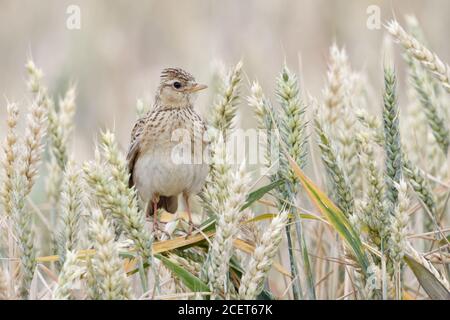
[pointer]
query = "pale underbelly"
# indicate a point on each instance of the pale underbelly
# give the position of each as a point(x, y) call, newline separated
point(156, 174)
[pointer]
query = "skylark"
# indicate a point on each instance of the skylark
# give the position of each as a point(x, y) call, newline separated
point(155, 171)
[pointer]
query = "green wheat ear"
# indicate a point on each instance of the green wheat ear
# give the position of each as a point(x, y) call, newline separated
point(392, 144)
point(333, 164)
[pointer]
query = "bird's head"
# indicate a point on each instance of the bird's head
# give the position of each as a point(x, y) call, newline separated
point(178, 88)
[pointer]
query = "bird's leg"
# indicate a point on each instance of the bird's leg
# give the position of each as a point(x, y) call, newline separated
point(153, 204)
point(155, 214)
point(188, 209)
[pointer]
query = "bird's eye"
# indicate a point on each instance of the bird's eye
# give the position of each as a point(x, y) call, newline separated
point(177, 85)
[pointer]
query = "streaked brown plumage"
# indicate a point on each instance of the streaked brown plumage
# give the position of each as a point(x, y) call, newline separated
point(158, 178)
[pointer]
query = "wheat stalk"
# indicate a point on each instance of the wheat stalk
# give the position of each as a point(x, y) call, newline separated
point(291, 123)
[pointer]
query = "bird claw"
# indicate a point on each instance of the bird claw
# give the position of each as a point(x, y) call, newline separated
point(191, 229)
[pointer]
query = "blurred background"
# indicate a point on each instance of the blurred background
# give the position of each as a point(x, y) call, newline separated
point(117, 54)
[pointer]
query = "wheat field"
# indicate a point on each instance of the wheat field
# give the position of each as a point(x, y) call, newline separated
point(348, 202)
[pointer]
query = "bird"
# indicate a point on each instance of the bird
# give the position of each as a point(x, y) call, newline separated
point(157, 163)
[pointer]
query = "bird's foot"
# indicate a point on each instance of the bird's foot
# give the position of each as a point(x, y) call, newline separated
point(192, 226)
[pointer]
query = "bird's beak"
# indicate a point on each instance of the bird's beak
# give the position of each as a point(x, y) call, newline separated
point(197, 87)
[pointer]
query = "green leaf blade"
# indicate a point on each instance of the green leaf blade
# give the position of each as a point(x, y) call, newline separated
point(432, 286)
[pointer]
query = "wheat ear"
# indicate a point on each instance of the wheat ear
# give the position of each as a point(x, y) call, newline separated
point(224, 110)
point(262, 258)
point(227, 225)
point(70, 272)
point(108, 266)
point(11, 156)
point(421, 53)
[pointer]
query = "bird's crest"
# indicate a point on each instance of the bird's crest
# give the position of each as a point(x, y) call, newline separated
point(176, 73)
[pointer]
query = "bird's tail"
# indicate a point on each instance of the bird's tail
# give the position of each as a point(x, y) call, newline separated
point(170, 204)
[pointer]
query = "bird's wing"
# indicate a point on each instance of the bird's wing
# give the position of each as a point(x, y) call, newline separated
point(134, 148)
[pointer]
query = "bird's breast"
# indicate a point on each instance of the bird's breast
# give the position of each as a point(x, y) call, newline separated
point(165, 171)
point(173, 155)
